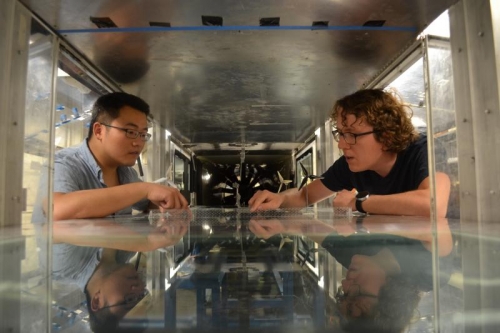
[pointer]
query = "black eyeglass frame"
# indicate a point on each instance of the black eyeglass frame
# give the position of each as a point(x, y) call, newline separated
point(131, 133)
point(340, 296)
point(128, 299)
point(337, 134)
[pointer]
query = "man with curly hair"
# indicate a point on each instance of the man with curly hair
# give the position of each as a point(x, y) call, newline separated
point(384, 167)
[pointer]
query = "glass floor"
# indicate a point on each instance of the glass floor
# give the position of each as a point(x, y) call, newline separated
point(214, 269)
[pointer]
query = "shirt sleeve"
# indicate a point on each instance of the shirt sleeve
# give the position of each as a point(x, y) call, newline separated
point(66, 177)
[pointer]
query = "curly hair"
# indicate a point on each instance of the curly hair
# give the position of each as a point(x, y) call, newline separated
point(396, 308)
point(389, 116)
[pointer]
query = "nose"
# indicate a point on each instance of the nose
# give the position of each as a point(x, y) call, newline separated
point(342, 144)
point(138, 142)
point(346, 284)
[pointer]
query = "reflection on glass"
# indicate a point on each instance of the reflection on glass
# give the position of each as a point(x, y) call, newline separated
point(105, 260)
point(37, 149)
point(307, 162)
point(388, 264)
point(179, 172)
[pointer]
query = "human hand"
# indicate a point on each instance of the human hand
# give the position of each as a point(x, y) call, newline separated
point(168, 233)
point(345, 198)
point(266, 228)
point(265, 200)
point(166, 197)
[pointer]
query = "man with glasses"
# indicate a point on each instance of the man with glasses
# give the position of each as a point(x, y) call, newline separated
point(96, 178)
point(384, 167)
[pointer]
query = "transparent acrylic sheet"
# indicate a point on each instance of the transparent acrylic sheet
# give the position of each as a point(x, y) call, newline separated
point(35, 283)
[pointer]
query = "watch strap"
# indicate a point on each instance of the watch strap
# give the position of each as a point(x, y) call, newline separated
point(359, 208)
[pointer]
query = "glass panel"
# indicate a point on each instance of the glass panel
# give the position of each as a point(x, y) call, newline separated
point(307, 162)
point(37, 150)
point(411, 86)
point(182, 174)
point(73, 103)
point(446, 160)
point(179, 173)
point(73, 100)
point(232, 269)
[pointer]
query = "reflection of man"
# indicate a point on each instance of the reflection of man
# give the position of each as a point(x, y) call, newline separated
point(384, 159)
point(95, 255)
point(96, 178)
point(386, 271)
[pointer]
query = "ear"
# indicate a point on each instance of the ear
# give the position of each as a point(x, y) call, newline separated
point(95, 301)
point(97, 128)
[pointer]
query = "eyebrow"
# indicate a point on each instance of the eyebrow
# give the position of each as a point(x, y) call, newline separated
point(134, 125)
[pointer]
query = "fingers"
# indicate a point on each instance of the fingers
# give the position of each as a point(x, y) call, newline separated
point(167, 198)
point(264, 200)
point(257, 199)
point(258, 229)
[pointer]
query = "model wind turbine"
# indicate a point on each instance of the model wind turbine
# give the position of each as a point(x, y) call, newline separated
point(283, 181)
point(307, 176)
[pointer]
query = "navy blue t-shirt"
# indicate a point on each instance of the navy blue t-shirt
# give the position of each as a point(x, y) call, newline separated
point(414, 260)
point(410, 169)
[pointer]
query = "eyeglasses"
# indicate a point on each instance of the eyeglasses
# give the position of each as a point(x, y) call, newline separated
point(353, 292)
point(132, 134)
point(130, 299)
point(350, 138)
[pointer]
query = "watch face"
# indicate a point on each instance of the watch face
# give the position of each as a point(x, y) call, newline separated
point(362, 195)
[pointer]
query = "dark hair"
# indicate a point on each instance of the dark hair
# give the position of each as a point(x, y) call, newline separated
point(389, 116)
point(398, 299)
point(107, 107)
point(101, 321)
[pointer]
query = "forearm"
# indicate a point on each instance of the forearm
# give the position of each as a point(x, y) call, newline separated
point(97, 202)
point(413, 203)
point(106, 234)
point(292, 198)
point(308, 195)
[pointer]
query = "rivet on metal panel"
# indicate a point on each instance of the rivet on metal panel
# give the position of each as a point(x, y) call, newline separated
point(493, 192)
point(480, 34)
point(14, 123)
point(487, 111)
point(459, 49)
point(464, 120)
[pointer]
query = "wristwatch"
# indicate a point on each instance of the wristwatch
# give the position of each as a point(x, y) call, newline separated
point(360, 197)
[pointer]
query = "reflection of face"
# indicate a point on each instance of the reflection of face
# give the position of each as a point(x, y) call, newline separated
point(118, 284)
point(366, 273)
point(367, 153)
point(122, 150)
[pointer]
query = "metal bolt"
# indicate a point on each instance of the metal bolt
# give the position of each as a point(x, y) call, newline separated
point(480, 34)
point(487, 111)
point(493, 192)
